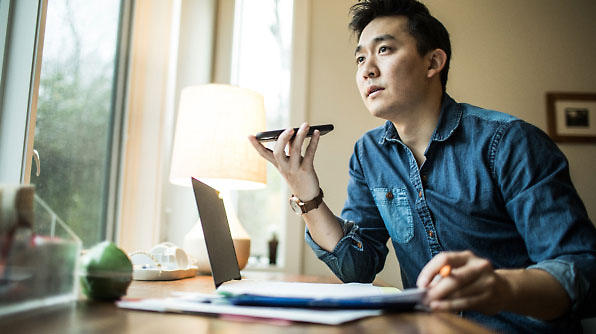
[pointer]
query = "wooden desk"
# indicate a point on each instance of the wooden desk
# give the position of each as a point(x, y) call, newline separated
point(100, 317)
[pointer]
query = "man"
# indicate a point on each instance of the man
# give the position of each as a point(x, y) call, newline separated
point(450, 184)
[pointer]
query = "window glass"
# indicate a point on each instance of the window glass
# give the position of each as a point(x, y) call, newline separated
point(261, 62)
point(75, 112)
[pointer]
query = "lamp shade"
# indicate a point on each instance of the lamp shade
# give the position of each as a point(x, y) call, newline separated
point(211, 141)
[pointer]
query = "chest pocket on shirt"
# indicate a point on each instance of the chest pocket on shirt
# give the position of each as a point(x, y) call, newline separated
point(395, 210)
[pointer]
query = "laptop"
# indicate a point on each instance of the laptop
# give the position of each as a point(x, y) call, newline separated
point(226, 273)
point(218, 238)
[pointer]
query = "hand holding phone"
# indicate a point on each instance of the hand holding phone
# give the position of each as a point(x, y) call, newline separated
point(272, 135)
point(291, 158)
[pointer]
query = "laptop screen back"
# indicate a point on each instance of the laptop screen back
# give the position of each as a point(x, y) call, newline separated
point(218, 239)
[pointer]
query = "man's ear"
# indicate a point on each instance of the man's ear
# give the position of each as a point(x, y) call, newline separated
point(437, 59)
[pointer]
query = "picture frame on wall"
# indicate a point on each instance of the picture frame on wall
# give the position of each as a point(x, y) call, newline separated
point(571, 117)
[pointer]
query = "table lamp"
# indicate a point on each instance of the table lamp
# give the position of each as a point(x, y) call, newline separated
point(211, 144)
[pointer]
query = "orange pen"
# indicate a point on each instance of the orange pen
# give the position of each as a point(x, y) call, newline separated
point(443, 272)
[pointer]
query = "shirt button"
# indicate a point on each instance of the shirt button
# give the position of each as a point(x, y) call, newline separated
point(389, 195)
point(357, 243)
point(424, 178)
point(420, 194)
point(430, 234)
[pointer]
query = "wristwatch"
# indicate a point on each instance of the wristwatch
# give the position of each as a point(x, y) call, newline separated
point(301, 208)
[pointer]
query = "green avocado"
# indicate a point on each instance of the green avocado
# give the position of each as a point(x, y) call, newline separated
point(106, 272)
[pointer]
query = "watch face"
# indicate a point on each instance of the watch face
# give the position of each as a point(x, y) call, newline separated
point(295, 206)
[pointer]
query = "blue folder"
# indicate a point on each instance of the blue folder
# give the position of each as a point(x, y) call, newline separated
point(404, 301)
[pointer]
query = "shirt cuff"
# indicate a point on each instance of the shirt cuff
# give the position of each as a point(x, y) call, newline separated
point(350, 237)
point(565, 272)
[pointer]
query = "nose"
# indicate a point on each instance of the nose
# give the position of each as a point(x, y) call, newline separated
point(370, 69)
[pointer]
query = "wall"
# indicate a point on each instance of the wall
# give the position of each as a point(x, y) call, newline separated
point(507, 54)
point(144, 142)
point(171, 49)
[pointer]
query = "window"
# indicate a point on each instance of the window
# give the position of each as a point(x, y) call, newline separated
point(4, 10)
point(262, 62)
point(77, 112)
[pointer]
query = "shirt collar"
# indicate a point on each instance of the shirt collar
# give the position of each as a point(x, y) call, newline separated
point(449, 120)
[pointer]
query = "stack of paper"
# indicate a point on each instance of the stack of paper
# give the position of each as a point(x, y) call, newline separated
point(305, 302)
point(319, 295)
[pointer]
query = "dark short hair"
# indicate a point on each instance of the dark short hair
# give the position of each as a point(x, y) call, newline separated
point(428, 32)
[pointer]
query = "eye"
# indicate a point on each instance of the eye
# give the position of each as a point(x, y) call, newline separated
point(383, 49)
point(359, 59)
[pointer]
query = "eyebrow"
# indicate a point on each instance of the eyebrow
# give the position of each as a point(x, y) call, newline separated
point(376, 40)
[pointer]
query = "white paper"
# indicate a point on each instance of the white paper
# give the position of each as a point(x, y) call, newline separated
point(328, 317)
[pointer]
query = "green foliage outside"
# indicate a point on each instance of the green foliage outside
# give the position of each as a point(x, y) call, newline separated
point(71, 137)
point(74, 124)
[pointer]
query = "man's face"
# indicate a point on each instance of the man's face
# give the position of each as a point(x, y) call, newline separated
point(391, 76)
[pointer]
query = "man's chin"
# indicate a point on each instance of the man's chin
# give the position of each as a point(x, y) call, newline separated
point(380, 113)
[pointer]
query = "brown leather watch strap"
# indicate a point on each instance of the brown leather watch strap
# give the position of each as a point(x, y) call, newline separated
point(301, 207)
point(314, 203)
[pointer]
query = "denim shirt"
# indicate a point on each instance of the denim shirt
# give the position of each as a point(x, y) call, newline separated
point(492, 184)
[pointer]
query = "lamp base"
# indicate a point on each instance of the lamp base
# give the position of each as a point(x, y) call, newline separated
point(194, 245)
point(242, 247)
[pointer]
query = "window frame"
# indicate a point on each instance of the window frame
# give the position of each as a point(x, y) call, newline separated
point(119, 103)
point(294, 247)
point(21, 64)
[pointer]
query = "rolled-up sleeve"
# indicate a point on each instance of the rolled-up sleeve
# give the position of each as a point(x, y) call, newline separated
point(572, 280)
point(357, 257)
point(349, 235)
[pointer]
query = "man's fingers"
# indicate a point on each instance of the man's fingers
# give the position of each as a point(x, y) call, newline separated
point(432, 268)
point(472, 272)
point(477, 287)
point(454, 305)
point(309, 155)
point(471, 282)
point(262, 150)
point(458, 285)
point(296, 146)
point(279, 150)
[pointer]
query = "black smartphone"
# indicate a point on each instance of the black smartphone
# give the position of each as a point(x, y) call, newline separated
point(274, 134)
